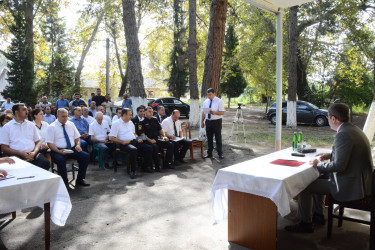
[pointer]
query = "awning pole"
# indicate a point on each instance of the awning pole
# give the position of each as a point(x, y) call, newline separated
point(279, 76)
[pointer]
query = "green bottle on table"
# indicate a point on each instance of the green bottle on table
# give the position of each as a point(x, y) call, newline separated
point(295, 141)
point(300, 137)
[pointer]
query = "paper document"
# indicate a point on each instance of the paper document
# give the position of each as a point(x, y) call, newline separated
point(207, 110)
point(178, 139)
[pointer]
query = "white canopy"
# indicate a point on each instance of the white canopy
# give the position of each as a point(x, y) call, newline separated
point(277, 7)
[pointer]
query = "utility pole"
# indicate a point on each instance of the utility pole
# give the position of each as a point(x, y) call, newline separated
point(107, 68)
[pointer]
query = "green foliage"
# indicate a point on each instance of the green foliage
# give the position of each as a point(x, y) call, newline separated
point(20, 62)
point(178, 80)
point(232, 83)
point(56, 73)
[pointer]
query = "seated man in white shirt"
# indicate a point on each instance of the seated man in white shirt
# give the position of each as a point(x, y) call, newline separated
point(48, 117)
point(123, 134)
point(99, 131)
point(172, 128)
point(105, 117)
point(20, 137)
point(118, 114)
point(63, 134)
point(85, 115)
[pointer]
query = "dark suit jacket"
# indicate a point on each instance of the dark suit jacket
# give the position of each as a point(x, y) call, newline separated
point(351, 159)
point(137, 125)
point(158, 118)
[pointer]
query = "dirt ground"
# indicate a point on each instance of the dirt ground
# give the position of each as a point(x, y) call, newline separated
point(168, 210)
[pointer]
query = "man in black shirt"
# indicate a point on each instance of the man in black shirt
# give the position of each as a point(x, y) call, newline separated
point(138, 118)
point(99, 98)
point(152, 129)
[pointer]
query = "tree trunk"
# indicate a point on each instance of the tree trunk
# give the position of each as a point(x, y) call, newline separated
point(192, 53)
point(369, 128)
point(137, 90)
point(292, 81)
point(124, 83)
point(124, 78)
point(229, 102)
point(214, 48)
point(29, 28)
point(77, 78)
point(301, 78)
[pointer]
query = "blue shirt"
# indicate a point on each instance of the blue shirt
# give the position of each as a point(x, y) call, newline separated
point(82, 125)
point(49, 119)
point(62, 104)
point(127, 103)
point(89, 100)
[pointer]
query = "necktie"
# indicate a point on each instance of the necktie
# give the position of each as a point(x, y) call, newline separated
point(209, 115)
point(175, 129)
point(68, 145)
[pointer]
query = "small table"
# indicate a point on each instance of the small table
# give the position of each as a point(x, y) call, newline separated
point(44, 190)
point(254, 191)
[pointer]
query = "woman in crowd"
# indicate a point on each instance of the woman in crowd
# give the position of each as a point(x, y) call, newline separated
point(41, 125)
point(4, 119)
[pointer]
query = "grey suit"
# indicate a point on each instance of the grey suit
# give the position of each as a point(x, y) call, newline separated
point(351, 163)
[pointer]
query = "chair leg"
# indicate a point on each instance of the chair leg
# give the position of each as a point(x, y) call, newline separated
point(202, 150)
point(330, 218)
point(14, 215)
point(341, 213)
point(372, 229)
point(192, 152)
point(100, 158)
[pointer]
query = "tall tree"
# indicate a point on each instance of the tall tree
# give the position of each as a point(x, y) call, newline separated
point(214, 48)
point(192, 54)
point(137, 89)
point(177, 82)
point(20, 77)
point(292, 81)
point(232, 83)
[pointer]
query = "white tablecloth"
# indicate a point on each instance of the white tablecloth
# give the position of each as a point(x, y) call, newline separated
point(259, 177)
point(17, 194)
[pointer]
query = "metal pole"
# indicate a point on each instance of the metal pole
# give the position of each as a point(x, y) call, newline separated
point(279, 75)
point(107, 68)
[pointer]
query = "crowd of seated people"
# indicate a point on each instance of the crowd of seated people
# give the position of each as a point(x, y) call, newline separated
point(54, 133)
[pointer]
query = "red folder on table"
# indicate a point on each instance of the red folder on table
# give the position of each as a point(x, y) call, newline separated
point(290, 163)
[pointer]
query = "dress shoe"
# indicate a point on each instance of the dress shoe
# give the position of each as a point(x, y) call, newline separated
point(170, 166)
point(318, 219)
point(302, 227)
point(132, 175)
point(176, 163)
point(221, 157)
point(82, 183)
point(157, 169)
point(207, 156)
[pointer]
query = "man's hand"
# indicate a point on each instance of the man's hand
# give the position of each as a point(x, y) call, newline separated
point(173, 137)
point(84, 136)
point(7, 160)
point(324, 156)
point(29, 156)
point(140, 141)
point(153, 141)
point(202, 125)
point(3, 173)
point(44, 146)
point(165, 138)
point(314, 162)
point(78, 148)
point(126, 142)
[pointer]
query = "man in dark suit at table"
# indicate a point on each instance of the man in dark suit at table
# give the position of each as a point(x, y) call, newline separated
point(160, 116)
point(349, 171)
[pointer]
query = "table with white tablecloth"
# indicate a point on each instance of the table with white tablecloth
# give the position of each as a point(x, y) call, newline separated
point(41, 189)
point(273, 184)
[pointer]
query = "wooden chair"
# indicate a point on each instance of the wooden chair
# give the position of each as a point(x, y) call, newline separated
point(74, 168)
point(125, 160)
point(194, 143)
point(365, 204)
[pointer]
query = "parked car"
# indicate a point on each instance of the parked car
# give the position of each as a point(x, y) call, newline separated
point(306, 113)
point(170, 104)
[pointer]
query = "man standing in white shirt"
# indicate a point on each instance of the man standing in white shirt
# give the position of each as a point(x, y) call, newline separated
point(20, 137)
point(99, 131)
point(123, 134)
point(214, 120)
point(172, 129)
point(44, 103)
point(7, 105)
point(63, 135)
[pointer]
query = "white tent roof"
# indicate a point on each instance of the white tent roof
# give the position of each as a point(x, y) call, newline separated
point(275, 5)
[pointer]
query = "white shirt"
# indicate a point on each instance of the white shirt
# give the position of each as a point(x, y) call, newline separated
point(217, 105)
point(19, 136)
point(167, 126)
point(7, 105)
point(109, 107)
point(99, 130)
point(48, 104)
point(55, 134)
point(42, 131)
point(115, 118)
point(89, 119)
point(107, 119)
point(123, 131)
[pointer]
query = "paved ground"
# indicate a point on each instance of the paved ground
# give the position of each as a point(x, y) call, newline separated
point(168, 210)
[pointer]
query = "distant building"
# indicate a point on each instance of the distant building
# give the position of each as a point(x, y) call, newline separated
point(155, 88)
point(3, 81)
